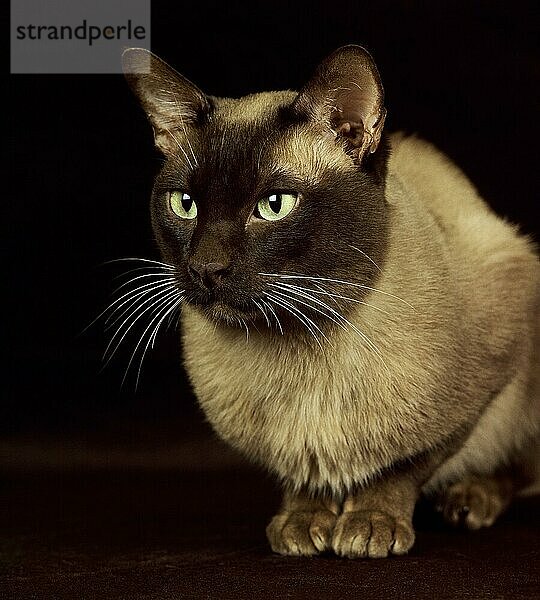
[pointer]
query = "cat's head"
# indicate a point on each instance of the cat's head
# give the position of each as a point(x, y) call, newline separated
point(269, 205)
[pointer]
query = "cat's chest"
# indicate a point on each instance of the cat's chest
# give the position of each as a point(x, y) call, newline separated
point(312, 416)
point(248, 386)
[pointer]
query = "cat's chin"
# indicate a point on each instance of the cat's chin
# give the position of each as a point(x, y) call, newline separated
point(233, 316)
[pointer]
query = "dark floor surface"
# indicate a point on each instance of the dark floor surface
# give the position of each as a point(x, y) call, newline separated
point(141, 533)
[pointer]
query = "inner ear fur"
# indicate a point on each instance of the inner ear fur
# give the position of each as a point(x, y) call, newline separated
point(170, 101)
point(347, 96)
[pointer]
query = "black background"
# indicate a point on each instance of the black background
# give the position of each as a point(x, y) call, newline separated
point(81, 163)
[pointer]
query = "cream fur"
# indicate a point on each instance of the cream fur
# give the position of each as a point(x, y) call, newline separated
point(460, 359)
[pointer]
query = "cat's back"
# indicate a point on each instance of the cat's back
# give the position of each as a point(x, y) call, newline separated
point(466, 220)
point(494, 268)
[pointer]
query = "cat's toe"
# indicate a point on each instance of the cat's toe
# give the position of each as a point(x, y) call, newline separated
point(301, 533)
point(371, 534)
point(472, 503)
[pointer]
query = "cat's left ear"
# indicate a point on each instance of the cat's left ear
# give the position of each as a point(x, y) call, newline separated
point(170, 100)
point(347, 96)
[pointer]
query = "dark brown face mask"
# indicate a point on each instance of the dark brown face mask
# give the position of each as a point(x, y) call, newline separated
point(275, 184)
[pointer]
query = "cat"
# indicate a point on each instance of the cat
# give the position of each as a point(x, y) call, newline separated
point(354, 317)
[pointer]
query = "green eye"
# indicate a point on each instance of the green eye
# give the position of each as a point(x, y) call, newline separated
point(276, 206)
point(182, 205)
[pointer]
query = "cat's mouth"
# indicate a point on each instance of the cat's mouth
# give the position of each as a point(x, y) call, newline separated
point(234, 313)
point(219, 311)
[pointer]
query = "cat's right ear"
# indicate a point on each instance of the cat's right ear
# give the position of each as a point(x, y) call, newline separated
point(170, 101)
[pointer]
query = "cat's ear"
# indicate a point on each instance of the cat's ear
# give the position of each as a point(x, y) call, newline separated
point(346, 94)
point(170, 100)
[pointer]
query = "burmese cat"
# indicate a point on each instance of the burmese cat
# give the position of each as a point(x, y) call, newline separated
point(355, 317)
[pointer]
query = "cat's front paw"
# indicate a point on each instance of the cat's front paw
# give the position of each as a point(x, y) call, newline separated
point(301, 533)
point(371, 534)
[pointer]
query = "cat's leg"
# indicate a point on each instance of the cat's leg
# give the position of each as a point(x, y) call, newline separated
point(304, 525)
point(477, 501)
point(506, 447)
point(377, 521)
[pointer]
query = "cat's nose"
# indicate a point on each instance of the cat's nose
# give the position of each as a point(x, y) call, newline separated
point(209, 274)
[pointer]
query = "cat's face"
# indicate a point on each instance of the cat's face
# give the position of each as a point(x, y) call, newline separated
point(263, 200)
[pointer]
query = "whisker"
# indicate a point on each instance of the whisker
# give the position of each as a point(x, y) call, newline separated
point(136, 314)
point(133, 299)
point(101, 314)
point(245, 325)
point(158, 298)
point(367, 256)
point(173, 314)
point(161, 296)
point(184, 128)
point(175, 309)
point(133, 279)
point(340, 320)
point(340, 317)
point(358, 285)
point(163, 270)
point(296, 312)
point(318, 286)
point(136, 290)
point(333, 296)
point(145, 260)
point(179, 146)
point(271, 309)
point(189, 143)
point(288, 296)
point(262, 311)
point(162, 312)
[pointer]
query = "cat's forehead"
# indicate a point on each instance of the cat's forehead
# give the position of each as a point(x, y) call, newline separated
point(255, 129)
point(253, 109)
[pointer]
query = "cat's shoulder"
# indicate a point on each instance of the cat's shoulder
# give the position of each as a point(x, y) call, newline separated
point(436, 184)
point(414, 157)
